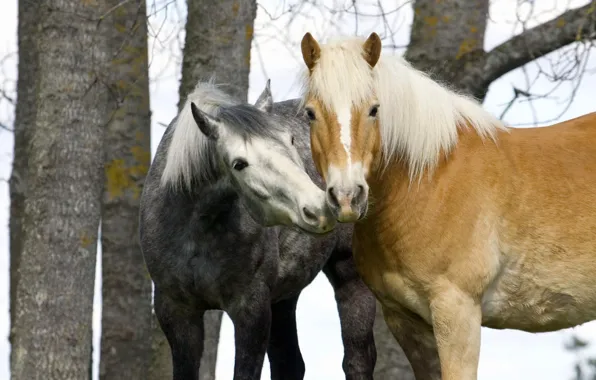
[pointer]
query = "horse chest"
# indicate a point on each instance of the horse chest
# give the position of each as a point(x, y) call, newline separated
point(392, 286)
point(301, 258)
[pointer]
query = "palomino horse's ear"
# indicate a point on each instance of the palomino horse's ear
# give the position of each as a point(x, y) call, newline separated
point(372, 49)
point(208, 125)
point(265, 100)
point(310, 51)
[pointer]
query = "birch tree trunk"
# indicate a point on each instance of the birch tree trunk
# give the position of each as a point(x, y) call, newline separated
point(51, 336)
point(126, 286)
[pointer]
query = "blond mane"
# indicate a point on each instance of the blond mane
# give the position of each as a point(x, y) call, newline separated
point(418, 117)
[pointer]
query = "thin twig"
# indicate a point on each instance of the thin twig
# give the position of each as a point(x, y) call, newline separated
point(109, 11)
point(6, 127)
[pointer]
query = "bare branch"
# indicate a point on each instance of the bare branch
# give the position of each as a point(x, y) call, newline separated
point(395, 47)
point(5, 127)
point(574, 25)
point(516, 94)
point(122, 3)
point(7, 97)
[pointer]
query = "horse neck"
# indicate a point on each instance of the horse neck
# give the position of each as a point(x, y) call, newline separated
point(393, 191)
point(217, 196)
point(385, 185)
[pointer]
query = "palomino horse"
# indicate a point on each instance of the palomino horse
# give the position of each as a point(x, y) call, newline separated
point(222, 172)
point(472, 223)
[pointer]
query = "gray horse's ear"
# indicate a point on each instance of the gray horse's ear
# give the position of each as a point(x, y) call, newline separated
point(208, 125)
point(265, 100)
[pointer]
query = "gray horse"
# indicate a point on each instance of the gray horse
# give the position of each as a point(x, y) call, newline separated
point(232, 220)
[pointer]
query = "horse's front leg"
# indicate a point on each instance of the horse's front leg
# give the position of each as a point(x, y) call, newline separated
point(456, 319)
point(183, 328)
point(251, 316)
point(416, 339)
point(356, 305)
point(284, 353)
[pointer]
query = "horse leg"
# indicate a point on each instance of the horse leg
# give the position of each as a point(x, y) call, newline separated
point(456, 319)
point(356, 306)
point(284, 353)
point(185, 333)
point(251, 316)
point(416, 339)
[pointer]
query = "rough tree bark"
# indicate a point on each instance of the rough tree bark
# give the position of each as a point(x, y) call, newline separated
point(24, 122)
point(447, 37)
point(392, 363)
point(126, 286)
point(54, 292)
point(447, 42)
point(218, 41)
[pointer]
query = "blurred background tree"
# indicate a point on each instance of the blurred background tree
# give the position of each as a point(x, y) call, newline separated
point(126, 286)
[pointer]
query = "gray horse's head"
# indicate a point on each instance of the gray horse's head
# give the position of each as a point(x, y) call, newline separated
point(254, 148)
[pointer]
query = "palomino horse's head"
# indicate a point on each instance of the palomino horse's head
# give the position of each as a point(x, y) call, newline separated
point(342, 107)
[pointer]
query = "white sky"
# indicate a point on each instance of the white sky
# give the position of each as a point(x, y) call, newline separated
point(505, 354)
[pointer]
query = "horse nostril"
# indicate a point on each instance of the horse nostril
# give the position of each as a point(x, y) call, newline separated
point(358, 195)
point(309, 215)
point(332, 197)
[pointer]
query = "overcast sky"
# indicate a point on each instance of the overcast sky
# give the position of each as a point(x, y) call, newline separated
point(505, 354)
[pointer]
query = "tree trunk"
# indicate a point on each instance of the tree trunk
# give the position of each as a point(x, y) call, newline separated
point(126, 286)
point(447, 39)
point(24, 122)
point(54, 292)
point(392, 363)
point(218, 41)
point(160, 365)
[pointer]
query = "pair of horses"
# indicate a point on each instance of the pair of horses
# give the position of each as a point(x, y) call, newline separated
point(458, 221)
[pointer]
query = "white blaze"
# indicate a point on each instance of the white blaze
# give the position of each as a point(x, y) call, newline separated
point(344, 118)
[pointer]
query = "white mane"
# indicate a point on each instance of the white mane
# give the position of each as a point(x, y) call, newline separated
point(187, 152)
point(418, 117)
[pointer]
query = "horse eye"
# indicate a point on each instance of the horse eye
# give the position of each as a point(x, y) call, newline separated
point(373, 110)
point(311, 114)
point(239, 164)
point(292, 141)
